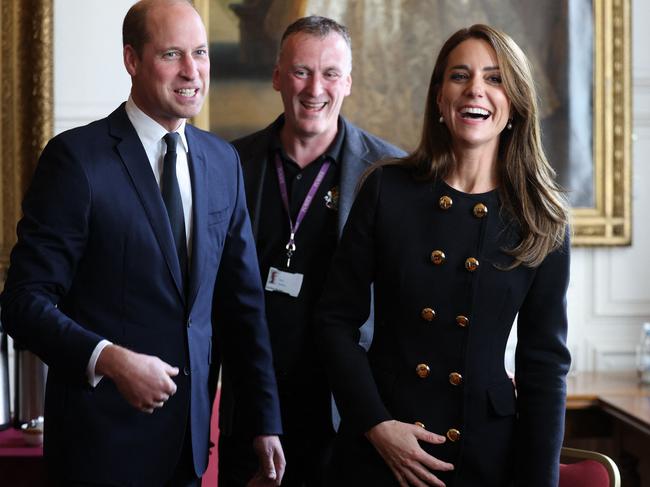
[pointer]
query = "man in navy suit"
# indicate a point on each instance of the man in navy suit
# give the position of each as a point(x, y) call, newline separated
point(318, 156)
point(125, 258)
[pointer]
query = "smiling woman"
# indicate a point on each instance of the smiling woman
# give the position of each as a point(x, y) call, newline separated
point(477, 199)
point(472, 102)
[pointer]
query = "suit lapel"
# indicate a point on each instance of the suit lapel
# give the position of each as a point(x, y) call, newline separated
point(354, 161)
point(137, 165)
point(254, 175)
point(254, 157)
point(198, 173)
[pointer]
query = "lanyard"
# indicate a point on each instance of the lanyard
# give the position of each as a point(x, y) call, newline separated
point(291, 245)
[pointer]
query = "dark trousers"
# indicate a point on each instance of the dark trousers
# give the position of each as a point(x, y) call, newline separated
point(184, 474)
point(307, 457)
point(307, 440)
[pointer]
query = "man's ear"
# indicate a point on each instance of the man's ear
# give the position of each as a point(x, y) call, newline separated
point(276, 78)
point(349, 83)
point(131, 60)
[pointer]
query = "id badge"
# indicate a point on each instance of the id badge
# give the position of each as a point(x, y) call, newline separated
point(284, 282)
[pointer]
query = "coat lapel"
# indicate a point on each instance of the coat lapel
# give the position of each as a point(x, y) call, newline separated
point(253, 152)
point(354, 160)
point(198, 173)
point(254, 175)
point(137, 165)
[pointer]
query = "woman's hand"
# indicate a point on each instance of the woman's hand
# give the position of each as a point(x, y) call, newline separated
point(398, 444)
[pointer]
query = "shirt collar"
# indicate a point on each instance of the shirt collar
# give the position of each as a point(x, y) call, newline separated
point(149, 131)
point(333, 152)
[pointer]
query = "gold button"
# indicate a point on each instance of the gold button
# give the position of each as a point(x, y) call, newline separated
point(422, 370)
point(445, 202)
point(453, 434)
point(428, 314)
point(471, 264)
point(455, 379)
point(421, 425)
point(480, 210)
point(462, 321)
point(438, 257)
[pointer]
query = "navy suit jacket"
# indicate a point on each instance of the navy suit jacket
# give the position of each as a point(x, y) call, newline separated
point(95, 259)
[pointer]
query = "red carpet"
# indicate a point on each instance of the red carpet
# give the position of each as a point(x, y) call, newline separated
point(210, 476)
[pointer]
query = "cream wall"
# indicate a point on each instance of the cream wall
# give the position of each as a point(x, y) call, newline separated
point(609, 296)
point(89, 77)
point(610, 291)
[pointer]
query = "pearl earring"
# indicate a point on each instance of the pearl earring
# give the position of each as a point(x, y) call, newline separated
point(509, 126)
point(441, 119)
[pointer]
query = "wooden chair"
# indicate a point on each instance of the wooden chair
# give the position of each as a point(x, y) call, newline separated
point(584, 468)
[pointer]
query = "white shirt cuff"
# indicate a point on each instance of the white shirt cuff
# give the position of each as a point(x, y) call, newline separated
point(93, 379)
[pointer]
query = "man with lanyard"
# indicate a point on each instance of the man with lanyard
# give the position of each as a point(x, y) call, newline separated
point(300, 175)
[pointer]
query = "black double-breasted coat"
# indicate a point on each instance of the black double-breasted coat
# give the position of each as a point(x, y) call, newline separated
point(444, 308)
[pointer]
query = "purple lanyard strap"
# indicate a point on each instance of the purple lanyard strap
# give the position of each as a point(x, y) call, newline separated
point(291, 245)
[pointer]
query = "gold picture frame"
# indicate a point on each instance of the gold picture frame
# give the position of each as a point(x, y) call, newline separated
point(606, 220)
point(27, 105)
point(609, 221)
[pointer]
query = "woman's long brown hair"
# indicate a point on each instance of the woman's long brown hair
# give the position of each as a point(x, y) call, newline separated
point(528, 190)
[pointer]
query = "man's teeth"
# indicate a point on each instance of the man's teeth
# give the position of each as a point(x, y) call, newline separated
point(474, 112)
point(186, 91)
point(313, 106)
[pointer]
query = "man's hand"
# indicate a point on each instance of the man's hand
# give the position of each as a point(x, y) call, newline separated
point(145, 381)
point(397, 443)
point(271, 462)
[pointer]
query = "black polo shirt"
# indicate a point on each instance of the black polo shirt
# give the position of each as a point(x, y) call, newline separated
point(290, 318)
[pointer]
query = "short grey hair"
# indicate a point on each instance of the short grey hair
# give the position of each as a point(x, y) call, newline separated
point(318, 26)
